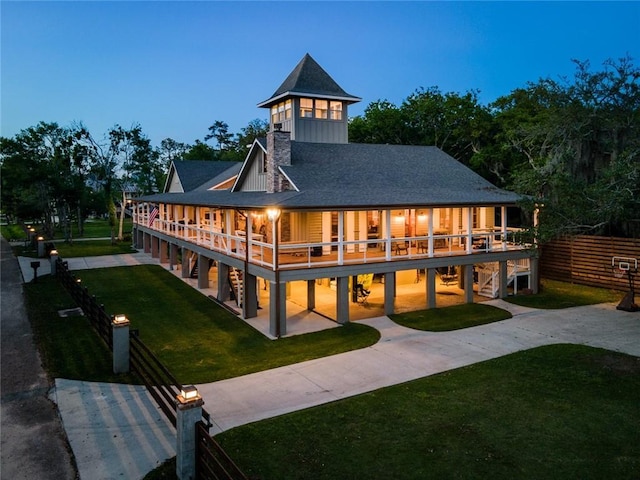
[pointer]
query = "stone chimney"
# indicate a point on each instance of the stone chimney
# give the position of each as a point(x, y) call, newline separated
point(278, 153)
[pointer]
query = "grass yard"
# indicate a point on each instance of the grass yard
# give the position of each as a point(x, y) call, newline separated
point(13, 232)
point(69, 347)
point(554, 294)
point(554, 412)
point(95, 228)
point(451, 318)
point(92, 248)
point(198, 340)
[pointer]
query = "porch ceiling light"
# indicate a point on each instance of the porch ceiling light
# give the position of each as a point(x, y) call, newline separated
point(273, 214)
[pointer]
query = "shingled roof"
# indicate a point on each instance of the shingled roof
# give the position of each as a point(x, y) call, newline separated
point(194, 173)
point(363, 176)
point(309, 78)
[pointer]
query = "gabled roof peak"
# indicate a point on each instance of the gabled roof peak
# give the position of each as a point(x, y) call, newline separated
point(309, 78)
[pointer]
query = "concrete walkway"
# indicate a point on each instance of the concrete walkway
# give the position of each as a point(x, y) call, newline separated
point(116, 430)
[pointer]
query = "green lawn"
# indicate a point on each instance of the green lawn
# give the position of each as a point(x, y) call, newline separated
point(451, 318)
point(69, 347)
point(95, 228)
point(92, 248)
point(554, 412)
point(554, 294)
point(200, 341)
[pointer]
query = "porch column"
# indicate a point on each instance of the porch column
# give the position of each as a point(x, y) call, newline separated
point(184, 271)
point(468, 283)
point(164, 251)
point(350, 228)
point(469, 229)
point(146, 241)
point(249, 296)
point(534, 276)
point(326, 232)
point(203, 272)
point(430, 233)
point(139, 239)
point(277, 309)
point(311, 294)
point(342, 300)
point(155, 247)
point(503, 277)
point(223, 282)
point(503, 226)
point(387, 234)
point(431, 287)
point(340, 237)
point(389, 292)
point(173, 255)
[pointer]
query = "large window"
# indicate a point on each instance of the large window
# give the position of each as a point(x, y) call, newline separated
point(306, 107)
point(335, 112)
point(321, 109)
point(281, 111)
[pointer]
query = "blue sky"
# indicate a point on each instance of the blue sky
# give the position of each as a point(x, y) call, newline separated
point(176, 67)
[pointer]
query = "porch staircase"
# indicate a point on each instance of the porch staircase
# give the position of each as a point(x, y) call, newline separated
point(237, 285)
point(489, 276)
point(193, 265)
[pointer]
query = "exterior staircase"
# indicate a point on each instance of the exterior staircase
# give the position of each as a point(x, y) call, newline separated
point(489, 276)
point(193, 265)
point(237, 285)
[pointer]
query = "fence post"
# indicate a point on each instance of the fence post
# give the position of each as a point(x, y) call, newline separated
point(53, 258)
point(188, 413)
point(120, 337)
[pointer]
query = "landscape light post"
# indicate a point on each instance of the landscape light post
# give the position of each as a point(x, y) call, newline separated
point(188, 414)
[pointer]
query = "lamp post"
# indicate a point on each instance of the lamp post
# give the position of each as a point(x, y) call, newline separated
point(273, 214)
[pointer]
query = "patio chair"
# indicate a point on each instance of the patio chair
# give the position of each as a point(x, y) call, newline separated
point(362, 294)
point(400, 247)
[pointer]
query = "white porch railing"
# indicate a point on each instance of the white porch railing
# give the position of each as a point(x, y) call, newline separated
point(317, 254)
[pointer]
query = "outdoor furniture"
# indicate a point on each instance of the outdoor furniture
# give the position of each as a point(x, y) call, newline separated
point(400, 247)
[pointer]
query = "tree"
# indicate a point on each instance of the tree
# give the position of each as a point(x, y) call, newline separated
point(220, 131)
point(44, 171)
point(200, 151)
point(171, 150)
point(255, 129)
point(576, 148)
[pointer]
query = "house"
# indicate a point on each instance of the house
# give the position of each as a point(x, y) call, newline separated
point(307, 206)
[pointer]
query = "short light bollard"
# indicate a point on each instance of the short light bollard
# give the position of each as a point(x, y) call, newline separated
point(35, 266)
point(188, 413)
point(120, 336)
point(40, 247)
point(53, 258)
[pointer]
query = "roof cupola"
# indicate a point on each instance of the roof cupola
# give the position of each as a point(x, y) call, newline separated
point(310, 105)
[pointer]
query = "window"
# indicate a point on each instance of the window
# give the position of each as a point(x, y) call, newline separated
point(321, 108)
point(335, 111)
point(281, 111)
point(263, 167)
point(306, 108)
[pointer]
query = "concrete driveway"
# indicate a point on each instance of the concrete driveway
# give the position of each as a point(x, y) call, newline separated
point(117, 431)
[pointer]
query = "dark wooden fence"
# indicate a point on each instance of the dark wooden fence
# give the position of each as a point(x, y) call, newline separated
point(586, 260)
point(212, 463)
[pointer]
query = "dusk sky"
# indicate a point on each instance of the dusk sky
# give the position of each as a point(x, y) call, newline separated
point(176, 67)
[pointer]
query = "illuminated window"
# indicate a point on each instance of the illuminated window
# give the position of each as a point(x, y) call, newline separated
point(306, 108)
point(335, 112)
point(321, 108)
point(281, 111)
point(287, 109)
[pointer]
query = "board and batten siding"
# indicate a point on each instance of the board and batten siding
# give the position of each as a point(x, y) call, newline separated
point(255, 180)
point(586, 260)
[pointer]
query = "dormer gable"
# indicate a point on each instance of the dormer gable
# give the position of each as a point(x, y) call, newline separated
point(310, 105)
